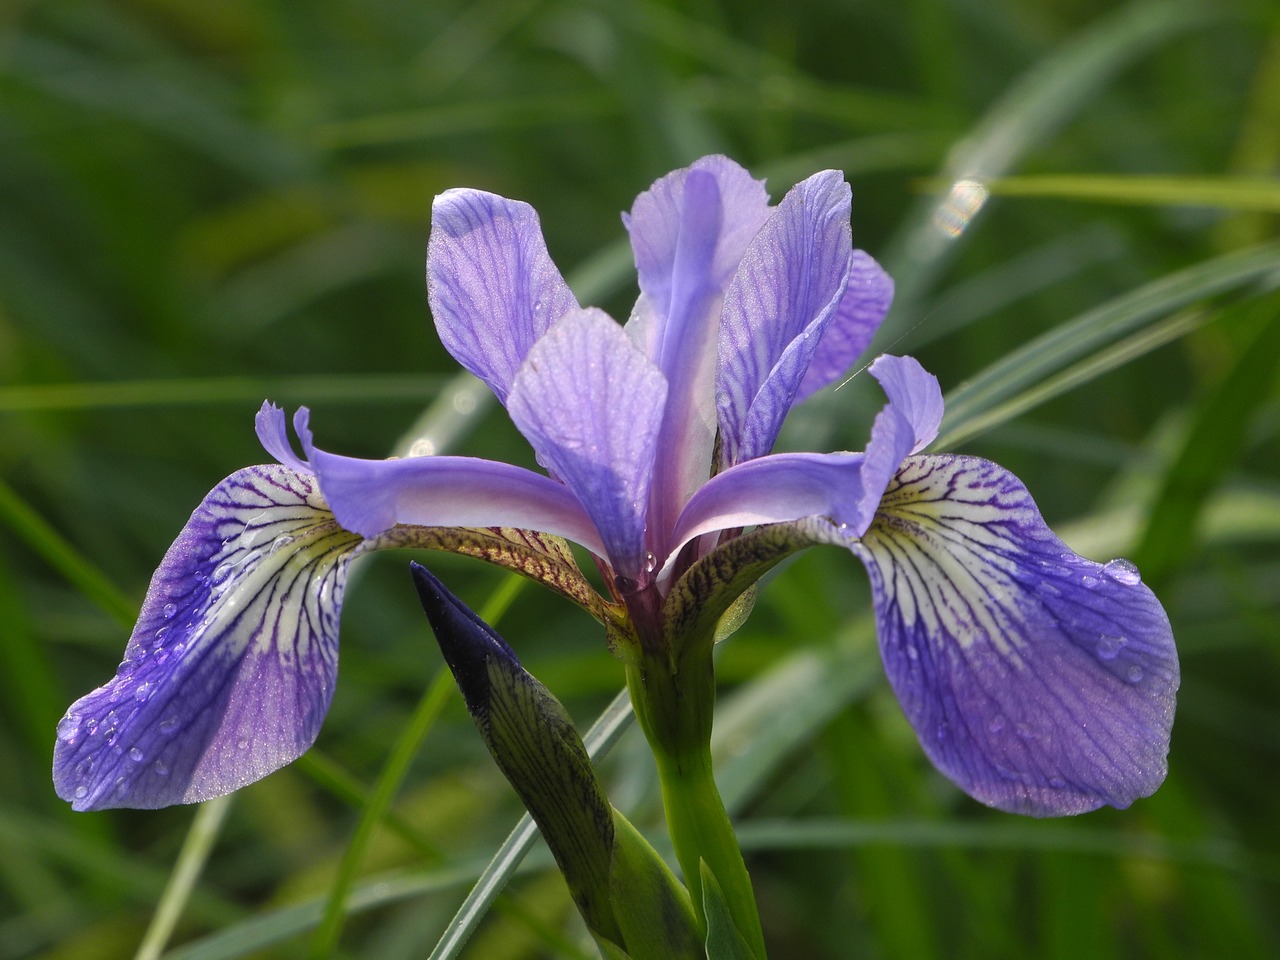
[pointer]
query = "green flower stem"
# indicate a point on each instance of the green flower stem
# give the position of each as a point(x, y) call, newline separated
point(674, 707)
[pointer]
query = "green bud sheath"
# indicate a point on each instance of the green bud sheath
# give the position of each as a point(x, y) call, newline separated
point(535, 744)
point(652, 907)
point(724, 941)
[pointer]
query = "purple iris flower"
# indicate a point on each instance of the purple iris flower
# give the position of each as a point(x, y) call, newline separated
point(1038, 681)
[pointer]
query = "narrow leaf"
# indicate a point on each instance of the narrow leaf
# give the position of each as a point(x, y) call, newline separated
point(1059, 347)
point(724, 942)
point(1213, 442)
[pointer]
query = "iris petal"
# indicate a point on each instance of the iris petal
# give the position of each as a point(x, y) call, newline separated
point(493, 287)
point(1039, 681)
point(787, 288)
point(914, 391)
point(777, 488)
point(230, 669)
point(371, 496)
point(841, 487)
point(274, 437)
point(688, 231)
point(569, 401)
point(867, 298)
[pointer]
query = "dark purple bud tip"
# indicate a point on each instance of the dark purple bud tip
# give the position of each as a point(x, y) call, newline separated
point(467, 642)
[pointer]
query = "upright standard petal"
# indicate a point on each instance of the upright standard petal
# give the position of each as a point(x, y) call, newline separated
point(1040, 682)
point(787, 288)
point(688, 231)
point(867, 298)
point(590, 403)
point(492, 286)
point(231, 666)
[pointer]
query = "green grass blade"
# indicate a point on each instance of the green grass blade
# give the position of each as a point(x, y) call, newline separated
point(451, 120)
point(207, 391)
point(325, 941)
point(1109, 358)
point(275, 926)
point(1034, 109)
point(123, 873)
point(1228, 193)
point(1007, 834)
point(432, 702)
point(337, 782)
point(1052, 352)
point(204, 832)
point(27, 678)
point(1213, 442)
point(47, 543)
point(761, 725)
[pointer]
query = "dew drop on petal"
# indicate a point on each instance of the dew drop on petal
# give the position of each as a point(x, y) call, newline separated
point(169, 725)
point(135, 755)
point(68, 727)
point(1088, 582)
point(170, 610)
point(1122, 571)
point(1134, 674)
point(81, 792)
point(1108, 646)
point(160, 768)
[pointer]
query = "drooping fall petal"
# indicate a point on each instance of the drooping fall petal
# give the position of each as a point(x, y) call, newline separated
point(1039, 681)
point(231, 667)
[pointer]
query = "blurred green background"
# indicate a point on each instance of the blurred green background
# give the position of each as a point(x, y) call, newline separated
point(206, 204)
